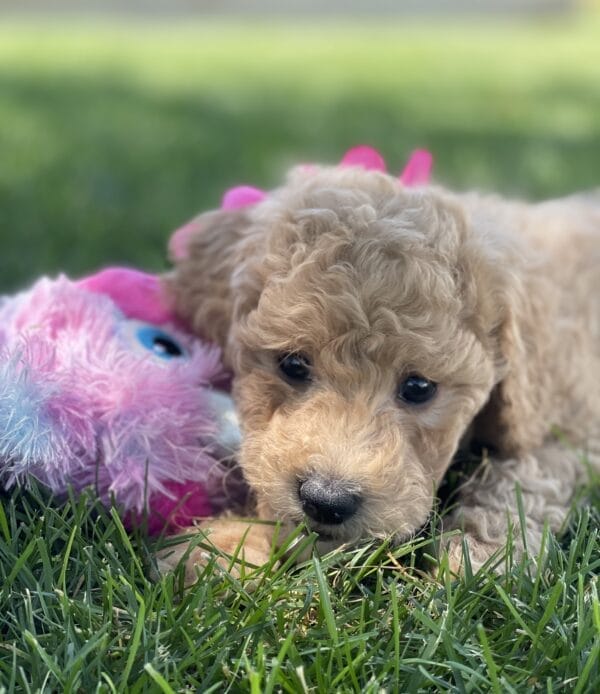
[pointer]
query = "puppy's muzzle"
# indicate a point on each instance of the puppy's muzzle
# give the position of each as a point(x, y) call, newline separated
point(328, 501)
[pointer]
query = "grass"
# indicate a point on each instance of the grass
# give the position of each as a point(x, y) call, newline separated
point(80, 614)
point(111, 137)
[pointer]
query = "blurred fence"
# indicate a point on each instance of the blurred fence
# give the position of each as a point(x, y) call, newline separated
point(287, 7)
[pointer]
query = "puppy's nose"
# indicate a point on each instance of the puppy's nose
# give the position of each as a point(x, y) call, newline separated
point(328, 501)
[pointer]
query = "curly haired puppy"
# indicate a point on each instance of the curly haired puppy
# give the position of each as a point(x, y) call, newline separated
point(373, 330)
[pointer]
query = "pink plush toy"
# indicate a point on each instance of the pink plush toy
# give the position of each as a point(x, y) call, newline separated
point(101, 387)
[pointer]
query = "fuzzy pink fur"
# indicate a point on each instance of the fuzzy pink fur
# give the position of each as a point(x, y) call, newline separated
point(138, 294)
point(83, 402)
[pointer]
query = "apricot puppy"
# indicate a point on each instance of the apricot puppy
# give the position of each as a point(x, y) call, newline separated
point(373, 330)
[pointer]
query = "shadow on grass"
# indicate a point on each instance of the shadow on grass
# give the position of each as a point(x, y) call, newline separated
point(98, 170)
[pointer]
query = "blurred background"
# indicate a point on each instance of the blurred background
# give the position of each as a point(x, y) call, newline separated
point(120, 120)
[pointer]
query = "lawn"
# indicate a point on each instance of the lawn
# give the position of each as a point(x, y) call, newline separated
point(113, 135)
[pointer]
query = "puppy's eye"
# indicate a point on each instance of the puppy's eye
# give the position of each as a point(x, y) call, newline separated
point(416, 389)
point(295, 367)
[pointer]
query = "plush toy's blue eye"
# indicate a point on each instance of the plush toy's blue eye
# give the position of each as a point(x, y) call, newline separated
point(159, 342)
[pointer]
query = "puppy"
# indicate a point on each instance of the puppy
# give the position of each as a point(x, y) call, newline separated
point(373, 330)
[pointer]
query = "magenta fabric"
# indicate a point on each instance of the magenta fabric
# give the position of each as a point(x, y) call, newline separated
point(364, 156)
point(241, 196)
point(86, 402)
point(417, 171)
point(138, 294)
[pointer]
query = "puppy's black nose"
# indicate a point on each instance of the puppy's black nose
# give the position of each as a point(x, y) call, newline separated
point(328, 501)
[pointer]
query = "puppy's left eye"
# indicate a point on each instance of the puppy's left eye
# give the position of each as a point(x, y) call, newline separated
point(295, 367)
point(416, 389)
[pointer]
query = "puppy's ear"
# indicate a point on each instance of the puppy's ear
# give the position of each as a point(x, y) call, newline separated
point(206, 253)
point(520, 409)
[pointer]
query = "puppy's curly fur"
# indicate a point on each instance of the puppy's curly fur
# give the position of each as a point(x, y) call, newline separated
point(497, 302)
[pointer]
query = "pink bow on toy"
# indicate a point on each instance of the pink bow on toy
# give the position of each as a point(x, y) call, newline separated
point(417, 171)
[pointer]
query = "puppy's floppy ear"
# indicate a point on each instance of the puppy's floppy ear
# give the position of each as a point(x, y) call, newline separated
point(521, 407)
point(206, 253)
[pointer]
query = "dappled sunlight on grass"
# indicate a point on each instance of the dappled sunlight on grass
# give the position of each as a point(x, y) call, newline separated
point(112, 136)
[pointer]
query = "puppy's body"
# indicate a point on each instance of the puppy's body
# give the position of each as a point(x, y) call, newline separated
point(495, 303)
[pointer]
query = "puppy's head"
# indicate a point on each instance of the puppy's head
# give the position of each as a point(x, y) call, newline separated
point(361, 321)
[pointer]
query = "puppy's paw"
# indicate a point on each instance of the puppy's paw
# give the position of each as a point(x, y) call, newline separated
point(237, 546)
point(479, 551)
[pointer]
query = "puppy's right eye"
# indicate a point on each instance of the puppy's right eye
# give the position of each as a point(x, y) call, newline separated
point(416, 390)
point(294, 367)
